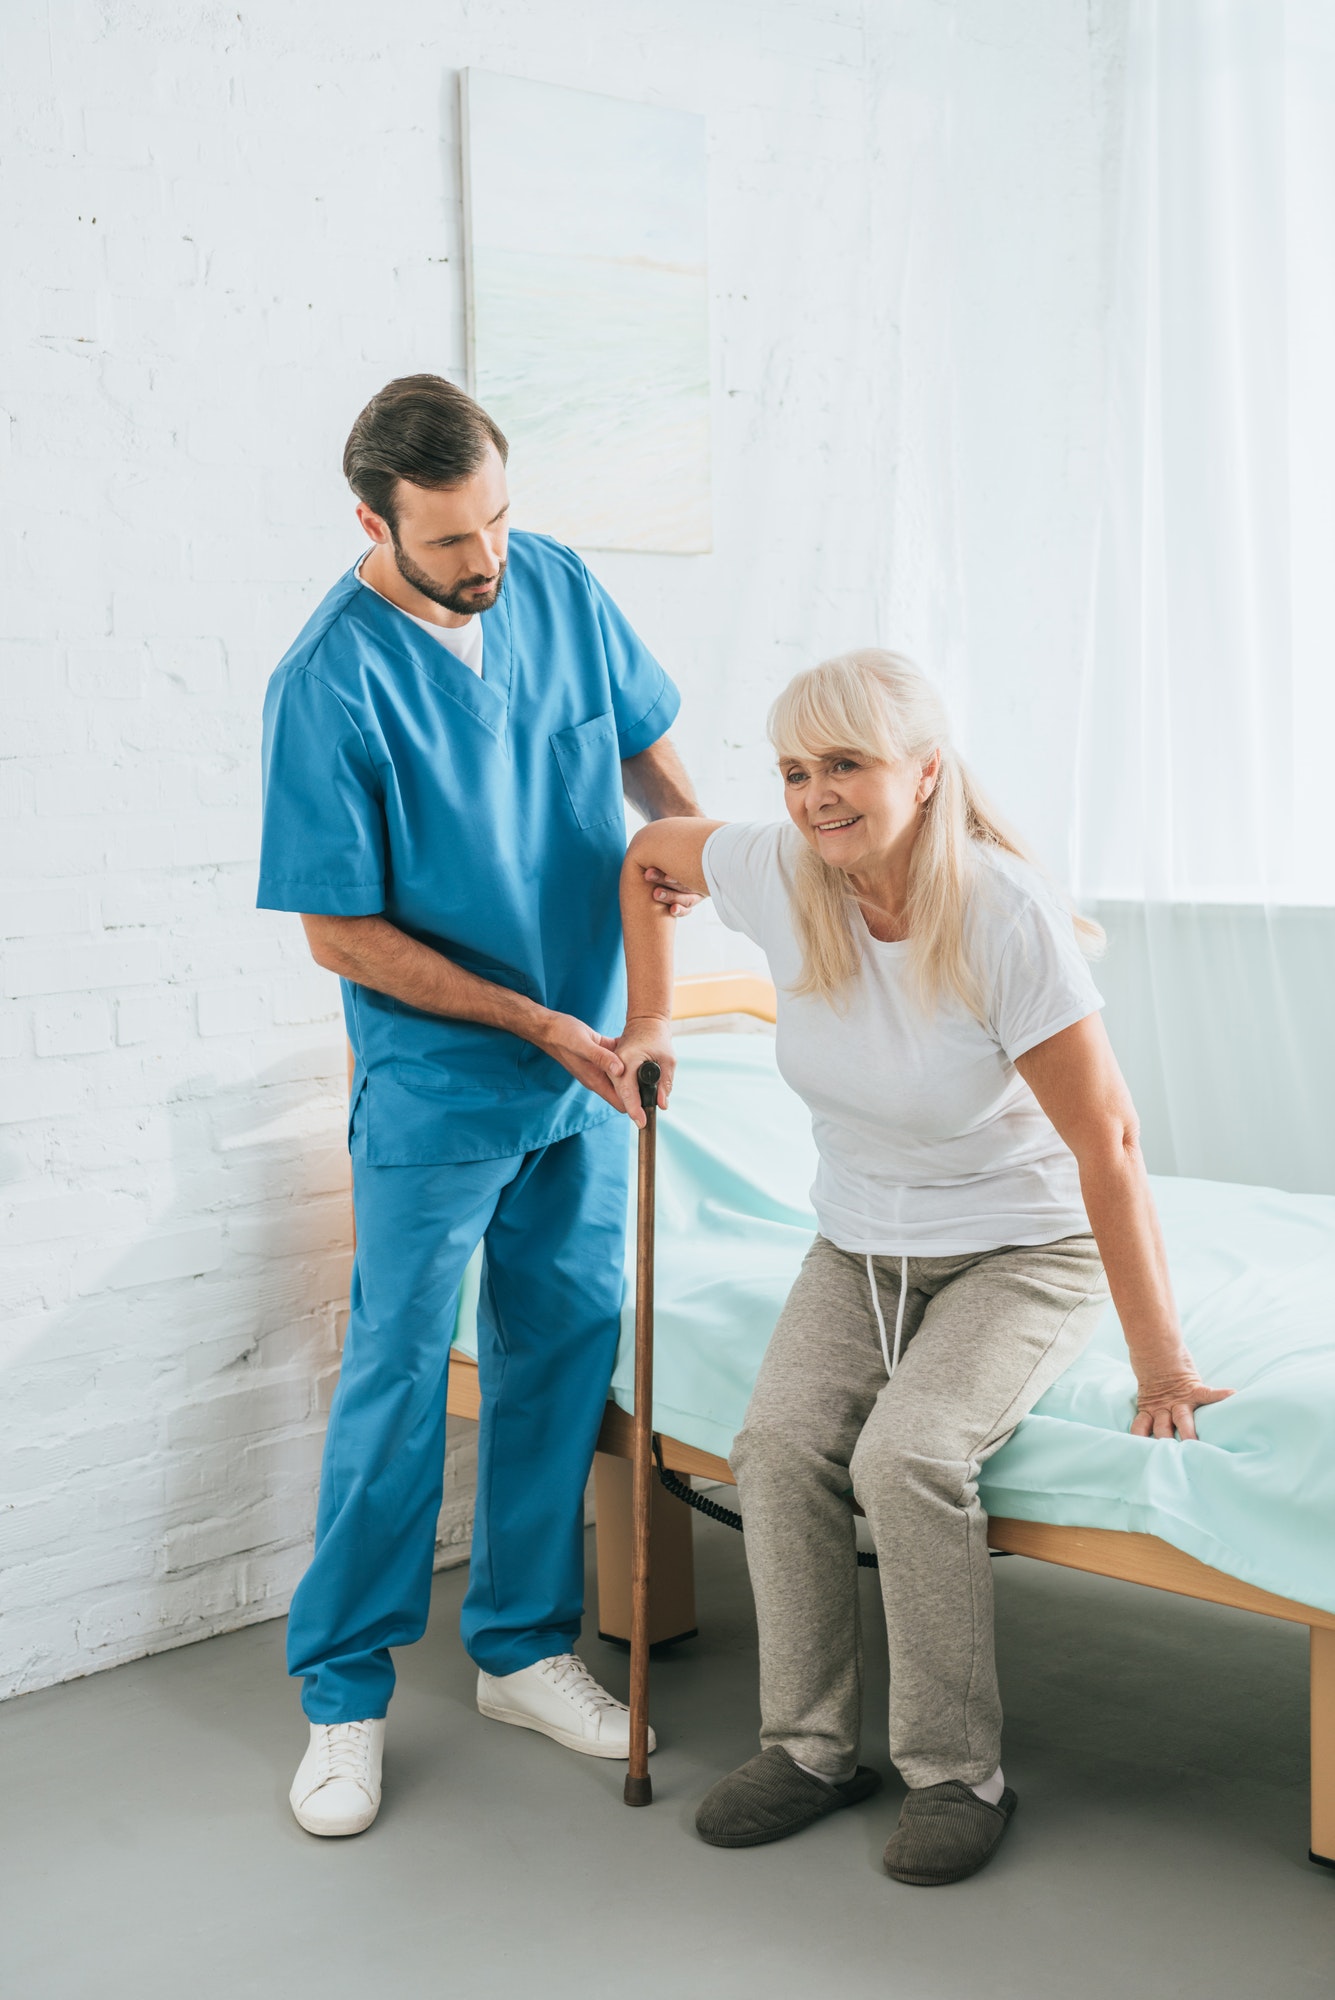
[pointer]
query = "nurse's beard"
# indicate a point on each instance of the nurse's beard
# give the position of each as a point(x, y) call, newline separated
point(455, 599)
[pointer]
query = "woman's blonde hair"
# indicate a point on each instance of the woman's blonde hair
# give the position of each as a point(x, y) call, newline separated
point(878, 707)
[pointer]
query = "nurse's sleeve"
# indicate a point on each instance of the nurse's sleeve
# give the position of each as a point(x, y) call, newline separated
point(323, 845)
point(644, 700)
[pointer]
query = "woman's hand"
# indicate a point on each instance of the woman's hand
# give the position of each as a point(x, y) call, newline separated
point(645, 1038)
point(1167, 1403)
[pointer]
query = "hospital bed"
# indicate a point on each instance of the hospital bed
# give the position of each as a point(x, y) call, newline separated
point(1245, 1518)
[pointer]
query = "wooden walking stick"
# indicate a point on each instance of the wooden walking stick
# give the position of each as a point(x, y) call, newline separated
point(639, 1787)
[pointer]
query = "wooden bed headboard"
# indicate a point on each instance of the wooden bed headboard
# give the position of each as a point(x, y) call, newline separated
point(703, 993)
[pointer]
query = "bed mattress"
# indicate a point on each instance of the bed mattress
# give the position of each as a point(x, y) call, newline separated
point(1254, 1273)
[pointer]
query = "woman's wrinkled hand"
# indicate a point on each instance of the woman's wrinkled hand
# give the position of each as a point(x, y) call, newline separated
point(645, 1038)
point(1167, 1405)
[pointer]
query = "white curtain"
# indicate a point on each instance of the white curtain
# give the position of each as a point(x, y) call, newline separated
point(1210, 700)
point(1206, 801)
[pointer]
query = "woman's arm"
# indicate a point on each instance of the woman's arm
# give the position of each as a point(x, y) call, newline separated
point(673, 848)
point(1074, 1076)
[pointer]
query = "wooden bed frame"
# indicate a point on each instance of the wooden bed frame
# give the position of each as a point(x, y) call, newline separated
point(1135, 1558)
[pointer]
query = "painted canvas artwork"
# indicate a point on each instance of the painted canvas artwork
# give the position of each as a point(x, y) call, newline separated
point(588, 310)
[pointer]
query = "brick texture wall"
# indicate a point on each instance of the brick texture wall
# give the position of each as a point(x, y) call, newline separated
point(224, 228)
point(223, 231)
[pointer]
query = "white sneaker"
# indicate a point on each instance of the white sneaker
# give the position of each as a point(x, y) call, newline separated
point(560, 1698)
point(337, 1786)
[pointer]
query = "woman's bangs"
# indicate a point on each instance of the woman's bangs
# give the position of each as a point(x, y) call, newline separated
point(827, 710)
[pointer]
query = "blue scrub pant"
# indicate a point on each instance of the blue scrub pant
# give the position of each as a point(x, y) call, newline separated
point(554, 1224)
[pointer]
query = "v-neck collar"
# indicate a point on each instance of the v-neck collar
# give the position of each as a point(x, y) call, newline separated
point(487, 699)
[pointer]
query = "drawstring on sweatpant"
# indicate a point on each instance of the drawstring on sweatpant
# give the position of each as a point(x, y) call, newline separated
point(890, 1364)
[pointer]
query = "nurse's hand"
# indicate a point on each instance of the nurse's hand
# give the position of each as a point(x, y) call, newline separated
point(677, 899)
point(645, 1038)
point(591, 1059)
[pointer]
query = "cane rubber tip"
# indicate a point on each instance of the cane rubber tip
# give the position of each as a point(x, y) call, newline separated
point(639, 1791)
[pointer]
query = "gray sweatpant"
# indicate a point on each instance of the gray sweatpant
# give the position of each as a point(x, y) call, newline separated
point(983, 1337)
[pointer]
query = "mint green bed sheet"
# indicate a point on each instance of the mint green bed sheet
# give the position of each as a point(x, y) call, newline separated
point(1254, 1272)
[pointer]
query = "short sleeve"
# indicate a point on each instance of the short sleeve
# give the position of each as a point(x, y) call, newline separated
point(644, 701)
point(1043, 983)
point(323, 845)
point(743, 872)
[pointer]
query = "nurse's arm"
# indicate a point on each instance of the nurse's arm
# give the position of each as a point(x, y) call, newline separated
point(370, 951)
point(656, 783)
point(1074, 1076)
point(674, 848)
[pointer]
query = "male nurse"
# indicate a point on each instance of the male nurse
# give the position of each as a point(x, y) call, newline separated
point(446, 748)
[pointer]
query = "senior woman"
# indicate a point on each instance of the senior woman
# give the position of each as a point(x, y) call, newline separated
point(979, 1173)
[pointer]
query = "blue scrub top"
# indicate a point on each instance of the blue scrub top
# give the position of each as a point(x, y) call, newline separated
point(483, 817)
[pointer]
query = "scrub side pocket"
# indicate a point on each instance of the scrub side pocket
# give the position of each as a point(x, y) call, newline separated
point(586, 755)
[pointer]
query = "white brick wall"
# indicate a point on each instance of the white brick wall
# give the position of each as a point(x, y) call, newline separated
point(223, 231)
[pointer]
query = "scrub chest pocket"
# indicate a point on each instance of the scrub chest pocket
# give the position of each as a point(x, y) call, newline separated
point(590, 767)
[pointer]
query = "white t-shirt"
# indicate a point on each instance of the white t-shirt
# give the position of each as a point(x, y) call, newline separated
point(930, 1141)
point(464, 641)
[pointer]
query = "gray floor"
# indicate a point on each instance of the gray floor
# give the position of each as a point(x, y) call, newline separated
point(1159, 1749)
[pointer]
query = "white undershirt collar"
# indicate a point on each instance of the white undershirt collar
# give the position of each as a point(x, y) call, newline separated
point(464, 641)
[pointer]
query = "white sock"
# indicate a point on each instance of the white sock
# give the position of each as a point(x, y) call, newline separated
point(825, 1777)
point(991, 1788)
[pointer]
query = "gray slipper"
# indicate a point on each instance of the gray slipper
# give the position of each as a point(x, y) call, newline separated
point(945, 1832)
point(770, 1797)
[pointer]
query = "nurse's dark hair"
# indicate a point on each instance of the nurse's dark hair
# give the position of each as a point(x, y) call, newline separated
point(420, 428)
